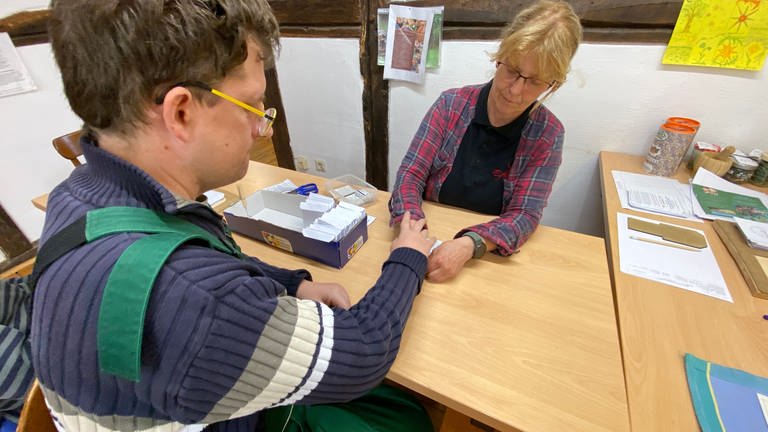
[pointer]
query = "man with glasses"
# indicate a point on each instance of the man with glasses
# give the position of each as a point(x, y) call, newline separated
point(171, 94)
point(494, 148)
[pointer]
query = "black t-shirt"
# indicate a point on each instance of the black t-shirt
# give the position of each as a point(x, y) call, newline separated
point(483, 159)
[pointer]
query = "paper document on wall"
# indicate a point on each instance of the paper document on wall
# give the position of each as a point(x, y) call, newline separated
point(14, 77)
point(408, 33)
point(723, 34)
point(435, 37)
point(692, 270)
point(654, 194)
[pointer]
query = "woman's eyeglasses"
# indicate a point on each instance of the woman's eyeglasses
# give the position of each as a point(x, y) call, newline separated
point(267, 117)
point(511, 75)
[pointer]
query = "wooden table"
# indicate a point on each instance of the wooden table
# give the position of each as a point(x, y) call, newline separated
point(660, 323)
point(524, 343)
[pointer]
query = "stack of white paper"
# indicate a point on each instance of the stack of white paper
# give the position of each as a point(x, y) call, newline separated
point(332, 224)
point(282, 187)
point(756, 233)
point(654, 194)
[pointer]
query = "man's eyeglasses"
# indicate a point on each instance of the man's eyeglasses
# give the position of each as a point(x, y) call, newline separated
point(267, 116)
point(511, 74)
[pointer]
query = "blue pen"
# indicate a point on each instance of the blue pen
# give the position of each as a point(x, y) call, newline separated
point(305, 189)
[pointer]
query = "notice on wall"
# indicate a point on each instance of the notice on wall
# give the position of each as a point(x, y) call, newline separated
point(435, 37)
point(720, 34)
point(14, 78)
point(408, 33)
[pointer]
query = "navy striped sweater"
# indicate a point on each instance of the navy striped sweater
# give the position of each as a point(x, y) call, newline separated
point(223, 338)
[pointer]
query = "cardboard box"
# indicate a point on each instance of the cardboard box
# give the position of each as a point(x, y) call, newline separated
point(276, 219)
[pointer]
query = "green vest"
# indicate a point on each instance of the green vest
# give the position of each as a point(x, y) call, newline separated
point(124, 303)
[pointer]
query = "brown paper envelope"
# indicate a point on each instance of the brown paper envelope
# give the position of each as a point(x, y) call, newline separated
point(668, 232)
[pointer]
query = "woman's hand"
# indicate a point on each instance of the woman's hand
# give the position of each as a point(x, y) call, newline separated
point(447, 259)
point(413, 235)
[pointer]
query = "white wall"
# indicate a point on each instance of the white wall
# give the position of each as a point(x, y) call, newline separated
point(615, 99)
point(29, 165)
point(10, 7)
point(322, 94)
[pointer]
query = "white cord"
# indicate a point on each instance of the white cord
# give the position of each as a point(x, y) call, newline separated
point(287, 419)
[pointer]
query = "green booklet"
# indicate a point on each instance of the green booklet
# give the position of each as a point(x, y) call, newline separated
point(720, 203)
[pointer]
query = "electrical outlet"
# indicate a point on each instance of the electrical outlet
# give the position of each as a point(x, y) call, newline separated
point(320, 165)
point(301, 163)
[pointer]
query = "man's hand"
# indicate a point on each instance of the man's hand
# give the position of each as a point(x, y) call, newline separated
point(448, 258)
point(413, 235)
point(331, 294)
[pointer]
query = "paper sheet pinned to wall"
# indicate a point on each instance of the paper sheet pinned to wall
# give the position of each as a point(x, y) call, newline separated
point(435, 36)
point(14, 77)
point(408, 33)
point(732, 34)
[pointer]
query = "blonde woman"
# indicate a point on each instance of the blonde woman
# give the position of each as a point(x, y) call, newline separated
point(494, 148)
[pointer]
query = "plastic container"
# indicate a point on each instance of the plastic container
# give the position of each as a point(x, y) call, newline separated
point(742, 169)
point(760, 176)
point(668, 149)
point(352, 189)
point(685, 121)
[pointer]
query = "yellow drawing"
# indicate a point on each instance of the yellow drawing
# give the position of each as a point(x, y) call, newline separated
point(720, 33)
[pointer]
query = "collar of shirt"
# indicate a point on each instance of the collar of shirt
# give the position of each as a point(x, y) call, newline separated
point(509, 130)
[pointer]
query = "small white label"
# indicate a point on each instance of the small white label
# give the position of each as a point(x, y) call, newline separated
point(763, 399)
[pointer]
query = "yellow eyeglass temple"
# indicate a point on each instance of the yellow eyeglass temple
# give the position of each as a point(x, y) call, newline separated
point(242, 104)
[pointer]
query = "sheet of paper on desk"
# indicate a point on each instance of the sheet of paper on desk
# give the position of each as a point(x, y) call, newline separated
point(282, 187)
point(654, 194)
point(695, 271)
point(756, 233)
point(14, 77)
point(712, 184)
point(214, 197)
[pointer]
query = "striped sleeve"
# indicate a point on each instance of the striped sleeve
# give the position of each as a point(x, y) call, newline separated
point(264, 352)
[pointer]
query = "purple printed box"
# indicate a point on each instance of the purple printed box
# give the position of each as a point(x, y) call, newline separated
point(277, 219)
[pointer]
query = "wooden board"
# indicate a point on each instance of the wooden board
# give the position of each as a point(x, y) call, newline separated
point(747, 258)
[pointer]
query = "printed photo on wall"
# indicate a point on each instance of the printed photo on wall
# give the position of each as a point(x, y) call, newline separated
point(408, 33)
point(435, 38)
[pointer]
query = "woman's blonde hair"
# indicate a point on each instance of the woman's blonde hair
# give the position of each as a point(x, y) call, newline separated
point(551, 31)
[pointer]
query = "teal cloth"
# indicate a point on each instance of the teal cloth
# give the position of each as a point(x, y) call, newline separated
point(383, 409)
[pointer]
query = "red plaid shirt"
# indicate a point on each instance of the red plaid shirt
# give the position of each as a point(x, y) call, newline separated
point(528, 182)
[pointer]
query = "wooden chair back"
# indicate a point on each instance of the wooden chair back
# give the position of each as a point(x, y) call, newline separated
point(68, 146)
point(35, 416)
